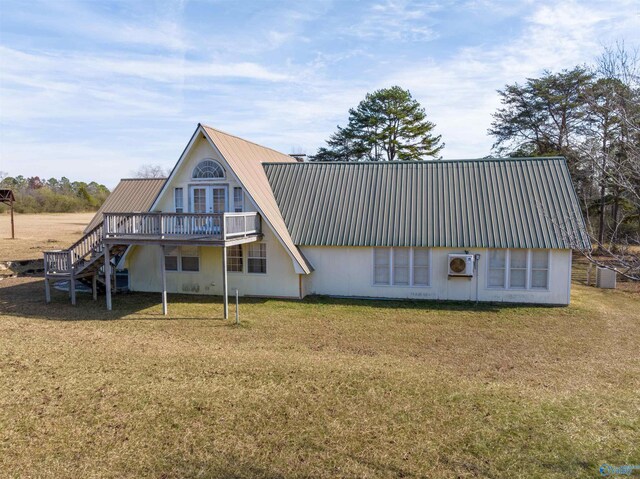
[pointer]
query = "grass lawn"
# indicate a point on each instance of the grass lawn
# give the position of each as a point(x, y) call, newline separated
point(318, 388)
point(39, 232)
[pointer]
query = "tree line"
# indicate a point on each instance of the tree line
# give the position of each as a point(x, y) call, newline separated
point(36, 195)
point(590, 114)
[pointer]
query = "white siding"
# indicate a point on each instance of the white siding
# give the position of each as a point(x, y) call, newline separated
point(281, 280)
point(182, 179)
point(348, 271)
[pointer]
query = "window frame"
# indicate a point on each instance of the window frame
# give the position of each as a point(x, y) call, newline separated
point(249, 258)
point(235, 202)
point(179, 256)
point(528, 271)
point(242, 261)
point(178, 192)
point(411, 271)
point(208, 178)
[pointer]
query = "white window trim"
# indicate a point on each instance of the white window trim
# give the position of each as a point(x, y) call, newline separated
point(266, 259)
point(391, 268)
point(175, 197)
point(241, 203)
point(244, 262)
point(528, 272)
point(179, 256)
point(224, 171)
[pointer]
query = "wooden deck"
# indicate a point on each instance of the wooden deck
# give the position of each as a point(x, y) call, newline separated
point(91, 256)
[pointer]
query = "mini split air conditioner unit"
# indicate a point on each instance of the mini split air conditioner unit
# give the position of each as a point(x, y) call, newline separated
point(461, 265)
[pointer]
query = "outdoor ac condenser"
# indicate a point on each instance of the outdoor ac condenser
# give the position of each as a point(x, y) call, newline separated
point(461, 265)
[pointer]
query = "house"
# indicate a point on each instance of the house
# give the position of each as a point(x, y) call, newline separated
point(234, 215)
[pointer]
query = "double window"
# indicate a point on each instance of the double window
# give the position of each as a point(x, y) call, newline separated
point(182, 258)
point(256, 258)
point(518, 269)
point(401, 266)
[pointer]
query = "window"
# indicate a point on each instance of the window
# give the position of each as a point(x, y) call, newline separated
point(199, 200)
point(234, 259)
point(257, 258)
point(171, 258)
point(219, 200)
point(189, 259)
point(183, 258)
point(539, 269)
point(518, 269)
point(381, 266)
point(401, 266)
point(497, 268)
point(421, 267)
point(178, 200)
point(208, 169)
point(238, 200)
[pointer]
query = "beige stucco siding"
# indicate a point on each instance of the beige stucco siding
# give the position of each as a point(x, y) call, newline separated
point(348, 271)
point(281, 280)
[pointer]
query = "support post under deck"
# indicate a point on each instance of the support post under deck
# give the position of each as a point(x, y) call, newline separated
point(225, 293)
point(163, 273)
point(94, 286)
point(47, 290)
point(72, 288)
point(107, 276)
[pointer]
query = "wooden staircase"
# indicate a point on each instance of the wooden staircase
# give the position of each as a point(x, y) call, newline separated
point(82, 261)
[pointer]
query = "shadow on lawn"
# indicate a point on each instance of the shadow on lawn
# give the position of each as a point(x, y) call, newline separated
point(24, 297)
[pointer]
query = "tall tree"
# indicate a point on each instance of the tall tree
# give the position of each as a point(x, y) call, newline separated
point(592, 117)
point(388, 125)
point(544, 117)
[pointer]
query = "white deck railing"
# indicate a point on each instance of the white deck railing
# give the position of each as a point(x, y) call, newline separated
point(218, 226)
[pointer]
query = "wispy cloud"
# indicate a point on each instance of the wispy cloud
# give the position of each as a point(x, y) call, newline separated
point(397, 20)
point(92, 88)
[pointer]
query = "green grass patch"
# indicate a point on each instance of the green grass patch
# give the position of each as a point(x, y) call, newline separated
point(317, 388)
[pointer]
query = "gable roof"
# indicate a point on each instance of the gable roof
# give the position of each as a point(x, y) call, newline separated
point(130, 195)
point(491, 203)
point(245, 159)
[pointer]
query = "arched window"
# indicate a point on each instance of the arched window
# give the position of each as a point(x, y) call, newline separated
point(208, 169)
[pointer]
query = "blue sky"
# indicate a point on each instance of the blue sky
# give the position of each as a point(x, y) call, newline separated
point(91, 90)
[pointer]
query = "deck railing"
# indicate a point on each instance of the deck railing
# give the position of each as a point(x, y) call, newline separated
point(218, 226)
point(57, 262)
point(83, 250)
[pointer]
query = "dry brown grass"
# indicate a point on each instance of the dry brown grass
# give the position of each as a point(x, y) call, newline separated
point(39, 232)
point(319, 388)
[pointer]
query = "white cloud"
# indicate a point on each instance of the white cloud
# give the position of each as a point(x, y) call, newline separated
point(460, 93)
point(137, 96)
point(397, 20)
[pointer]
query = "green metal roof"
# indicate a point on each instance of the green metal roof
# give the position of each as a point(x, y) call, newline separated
point(493, 203)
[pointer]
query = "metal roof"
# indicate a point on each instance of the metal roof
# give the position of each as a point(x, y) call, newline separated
point(131, 195)
point(246, 160)
point(492, 203)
